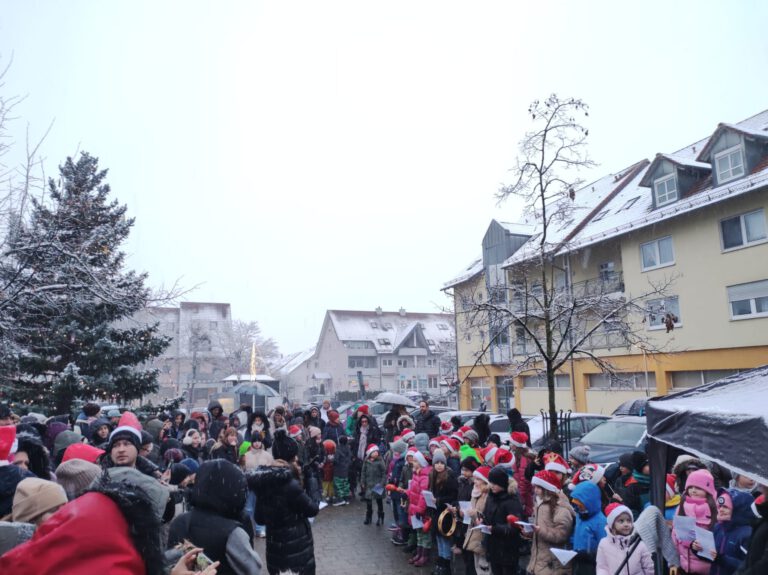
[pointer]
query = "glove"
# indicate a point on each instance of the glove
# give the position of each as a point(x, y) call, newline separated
point(427, 525)
point(512, 519)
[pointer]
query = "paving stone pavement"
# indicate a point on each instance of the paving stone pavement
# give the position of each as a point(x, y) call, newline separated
point(344, 545)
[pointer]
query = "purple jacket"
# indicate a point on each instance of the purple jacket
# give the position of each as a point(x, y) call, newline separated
point(612, 551)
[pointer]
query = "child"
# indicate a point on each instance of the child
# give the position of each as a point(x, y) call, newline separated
point(254, 455)
point(503, 542)
point(698, 501)
point(330, 450)
point(372, 483)
point(553, 525)
point(473, 540)
point(519, 442)
point(733, 530)
point(445, 488)
point(590, 526)
point(417, 506)
point(466, 486)
point(341, 463)
point(394, 470)
point(614, 547)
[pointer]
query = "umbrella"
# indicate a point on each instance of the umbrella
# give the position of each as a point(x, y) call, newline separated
point(394, 399)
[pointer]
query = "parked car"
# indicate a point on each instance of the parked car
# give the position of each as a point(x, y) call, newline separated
point(615, 436)
point(580, 424)
point(466, 416)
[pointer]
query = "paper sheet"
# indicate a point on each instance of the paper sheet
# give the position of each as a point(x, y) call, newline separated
point(707, 541)
point(483, 528)
point(465, 507)
point(378, 489)
point(527, 527)
point(429, 499)
point(416, 523)
point(563, 555)
point(685, 527)
point(322, 505)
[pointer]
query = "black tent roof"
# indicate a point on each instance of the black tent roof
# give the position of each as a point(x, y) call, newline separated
point(725, 421)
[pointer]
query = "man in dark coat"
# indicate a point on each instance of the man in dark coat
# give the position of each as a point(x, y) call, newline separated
point(756, 562)
point(504, 541)
point(517, 423)
point(427, 421)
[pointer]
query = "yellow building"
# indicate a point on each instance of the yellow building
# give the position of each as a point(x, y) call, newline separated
point(693, 221)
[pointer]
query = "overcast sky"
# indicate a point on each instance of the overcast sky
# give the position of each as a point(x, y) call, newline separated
point(293, 157)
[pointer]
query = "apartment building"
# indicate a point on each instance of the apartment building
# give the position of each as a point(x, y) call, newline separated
point(693, 221)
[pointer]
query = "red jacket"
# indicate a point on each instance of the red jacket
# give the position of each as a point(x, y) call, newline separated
point(87, 535)
point(420, 482)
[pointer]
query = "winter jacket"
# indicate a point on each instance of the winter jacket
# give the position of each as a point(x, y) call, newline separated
point(264, 435)
point(447, 494)
point(341, 462)
point(257, 457)
point(756, 562)
point(699, 509)
point(428, 423)
point(419, 483)
point(14, 533)
point(732, 537)
point(589, 528)
point(524, 486)
point(333, 432)
point(226, 452)
point(10, 476)
point(373, 435)
point(612, 551)
point(637, 494)
point(284, 507)
point(373, 474)
point(504, 541)
point(554, 531)
point(473, 540)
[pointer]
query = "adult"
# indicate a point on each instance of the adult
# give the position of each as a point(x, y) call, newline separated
point(482, 425)
point(390, 422)
point(258, 428)
point(333, 429)
point(215, 521)
point(517, 423)
point(124, 446)
point(10, 475)
point(216, 411)
point(312, 418)
point(756, 562)
point(325, 409)
point(366, 432)
point(227, 447)
point(32, 456)
point(98, 432)
point(285, 509)
point(36, 500)
point(427, 421)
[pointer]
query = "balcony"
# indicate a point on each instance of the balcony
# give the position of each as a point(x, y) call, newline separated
point(612, 282)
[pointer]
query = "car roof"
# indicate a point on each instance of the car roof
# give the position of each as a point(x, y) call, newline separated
point(630, 418)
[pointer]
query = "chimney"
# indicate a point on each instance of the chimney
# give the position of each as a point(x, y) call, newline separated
point(378, 310)
point(402, 312)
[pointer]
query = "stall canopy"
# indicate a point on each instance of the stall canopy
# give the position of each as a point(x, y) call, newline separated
point(725, 421)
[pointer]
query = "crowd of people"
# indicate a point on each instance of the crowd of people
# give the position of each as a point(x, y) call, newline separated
point(108, 493)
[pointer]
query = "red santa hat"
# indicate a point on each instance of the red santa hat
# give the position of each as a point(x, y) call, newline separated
point(294, 431)
point(519, 439)
point(408, 435)
point(488, 453)
point(757, 502)
point(418, 456)
point(482, 473)
point(591, 472)
point(7, 441)
point(547, 480)
point(613, 511)
point(436, 441)
point(82, 451)
point(555, 462)
point(464, 428)
point(503, 458)
point(371, 448)
point(446, 426)
point(452, 444)
point(458, 436)
point(128, 427)
point(671, 487)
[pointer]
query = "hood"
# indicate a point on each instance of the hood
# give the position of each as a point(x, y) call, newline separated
point(213, 404)
point(64, 440)
point(129, 476)
point(153, 427)
point(177, 412)
point(589, 494)
point(264, 477)
point(95, 425)
point(220, 487)
point(742, 508)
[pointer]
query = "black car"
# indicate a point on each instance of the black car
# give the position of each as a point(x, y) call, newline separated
point(613, 437)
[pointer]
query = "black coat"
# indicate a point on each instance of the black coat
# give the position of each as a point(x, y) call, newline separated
point(756, 562)
point(504, 541)
point(284, 507)
point(428, 423)
point(374, 434)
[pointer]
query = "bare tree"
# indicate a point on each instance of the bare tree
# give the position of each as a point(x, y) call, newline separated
point(532, 308)
point(238, 343)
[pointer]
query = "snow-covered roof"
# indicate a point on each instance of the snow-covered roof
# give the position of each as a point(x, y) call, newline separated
point(519, 229)
point(756, 126)
point(243, 377)
point(387, 330)
point(628, 202)
point(472, 270)
point(294, 360)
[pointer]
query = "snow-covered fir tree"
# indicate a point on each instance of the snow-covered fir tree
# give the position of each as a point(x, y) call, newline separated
point(67, 295)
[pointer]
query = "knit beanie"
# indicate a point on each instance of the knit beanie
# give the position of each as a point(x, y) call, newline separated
point(469, 463)
point(703, 480)
point(283, 447)
point(438, 457)
point(613, 511)
point(34, 497)
point(639, 461)
point(129, 429)
point(64, 440)
point(471, 436)
point(580, 453)
point(498, 476)
point(314, 431)
point(330, 446)
point(75, 475)
point(179, 473)
point(625, 460)
point(190, 464)
point(398, 446)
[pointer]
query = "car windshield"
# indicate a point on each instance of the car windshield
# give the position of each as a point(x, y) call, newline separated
point(623, 433)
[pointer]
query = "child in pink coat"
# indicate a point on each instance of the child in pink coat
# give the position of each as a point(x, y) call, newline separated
point(417, 506)
point(698, 501)
point(613, 548)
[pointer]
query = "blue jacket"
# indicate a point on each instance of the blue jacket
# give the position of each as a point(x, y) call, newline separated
point(732, 537)
point(590, 526)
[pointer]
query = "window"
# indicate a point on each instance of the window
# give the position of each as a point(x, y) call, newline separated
point(749, 300)
point(505, 394)
point(432, 382)
point(743, 230)
point(657, 254)
point(520, 340)
point(663, 313)
point(431, 362)
point(562, 381)
point(359, 345)
point(683, 379)
point(384, 341)
point(480, 390)
point(361, 362)
point(629, 204)
point(607, 272)
point(386, 326)
point(402, 363)
point(443, 326)
point(729, 164)
point(600, 216)
point(665, 190)
point(386, 363)
point(622, 381)
point(374, 325)
point(430, 342)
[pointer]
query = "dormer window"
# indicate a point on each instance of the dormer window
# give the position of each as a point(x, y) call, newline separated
point(729, 164)
point(665, 190)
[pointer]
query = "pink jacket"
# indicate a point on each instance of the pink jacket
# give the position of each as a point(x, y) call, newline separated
point(419, 483)
point(523, 485)
point(613, 549)
point(689, 561)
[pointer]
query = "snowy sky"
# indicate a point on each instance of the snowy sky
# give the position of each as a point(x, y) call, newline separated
point(294, 157)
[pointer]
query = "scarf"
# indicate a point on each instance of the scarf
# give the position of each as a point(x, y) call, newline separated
point(363, 442)
point(641, 478)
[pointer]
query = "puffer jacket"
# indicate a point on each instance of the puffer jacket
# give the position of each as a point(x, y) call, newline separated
point(732, 537)
point(690, 562)
point(416, 503)
point(612, 551)
point(554, 531)
point(590, 526)
point(503, 544)
point(284, 507)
